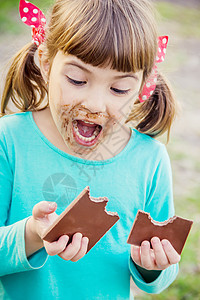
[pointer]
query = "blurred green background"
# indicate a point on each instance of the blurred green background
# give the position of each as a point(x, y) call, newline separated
point(181, 21)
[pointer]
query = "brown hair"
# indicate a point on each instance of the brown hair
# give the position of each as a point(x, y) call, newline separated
point(155, 115)
point(24, 82)
point(119, 33)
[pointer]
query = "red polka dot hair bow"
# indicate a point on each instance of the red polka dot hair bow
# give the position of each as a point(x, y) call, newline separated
point(32, 16)
point(150, 84)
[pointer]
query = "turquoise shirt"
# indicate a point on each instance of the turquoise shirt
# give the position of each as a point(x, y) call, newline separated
point(32, 169)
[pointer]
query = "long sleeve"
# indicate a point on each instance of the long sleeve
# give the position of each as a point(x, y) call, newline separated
point(6, 181)
point(160, 206)
point(12, 254)
point(12, 243)
point(165, 278)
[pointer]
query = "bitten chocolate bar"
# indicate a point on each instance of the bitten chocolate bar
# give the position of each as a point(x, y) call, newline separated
point(175, 230)
point(86, 215)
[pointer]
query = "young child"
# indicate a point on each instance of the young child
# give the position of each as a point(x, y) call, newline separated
point(98, 68)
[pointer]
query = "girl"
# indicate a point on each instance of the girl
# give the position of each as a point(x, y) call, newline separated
point(97, 58)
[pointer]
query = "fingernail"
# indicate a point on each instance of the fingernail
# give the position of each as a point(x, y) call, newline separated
point(135, 247)
point(155, 240)
point(164, 242)
point(78, 235)
point(66, 238)
point(86, 239)
point(145, 244)
point(52, 205)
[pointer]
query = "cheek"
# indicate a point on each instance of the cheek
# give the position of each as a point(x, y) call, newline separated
point(60, 93)
point(120, 111)
point(55, 90)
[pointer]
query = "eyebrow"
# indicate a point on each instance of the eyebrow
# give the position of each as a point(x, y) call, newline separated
point(127, 75)
point(89, 72)
point(77, 65)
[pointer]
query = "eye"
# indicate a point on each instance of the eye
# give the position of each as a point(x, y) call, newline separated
point(121, 92)
point(75, 82)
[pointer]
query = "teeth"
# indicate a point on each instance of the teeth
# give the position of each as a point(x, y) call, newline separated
point(84, 138)
point(89, 122)
point(96, 132)
point(75, 122)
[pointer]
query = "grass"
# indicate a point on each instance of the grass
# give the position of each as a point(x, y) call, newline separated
point(10, 22)
point(14, 4)
point(188, 19)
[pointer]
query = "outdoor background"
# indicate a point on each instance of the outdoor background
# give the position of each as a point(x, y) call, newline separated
point(181, 21)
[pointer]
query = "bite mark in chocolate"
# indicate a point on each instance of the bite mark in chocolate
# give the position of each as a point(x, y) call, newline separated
point(86, 215)
point(176, 230)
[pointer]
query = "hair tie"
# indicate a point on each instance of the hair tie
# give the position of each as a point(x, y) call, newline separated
point(151, 81)
point(32, 16)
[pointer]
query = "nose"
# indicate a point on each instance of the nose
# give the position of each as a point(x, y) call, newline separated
point(95, 102)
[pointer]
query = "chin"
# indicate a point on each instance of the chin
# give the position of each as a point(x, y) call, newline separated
point(81, 130)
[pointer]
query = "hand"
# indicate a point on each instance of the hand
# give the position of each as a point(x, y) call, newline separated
point(42, 217)
point(74, 251)
point(160, 257)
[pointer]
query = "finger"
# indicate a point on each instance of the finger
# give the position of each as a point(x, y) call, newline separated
point(73, 248)
point(172, 255)
point(161, 259)
point(135, 254)
point(82, 251)
point(43, 208)
point(56, 247)
point(146, 258)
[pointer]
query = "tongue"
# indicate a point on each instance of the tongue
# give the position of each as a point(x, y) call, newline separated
point(85, 129)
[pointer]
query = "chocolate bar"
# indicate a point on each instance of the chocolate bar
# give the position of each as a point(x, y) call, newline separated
point(175, 230)
point(86, 215)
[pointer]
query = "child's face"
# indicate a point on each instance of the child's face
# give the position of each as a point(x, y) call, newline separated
point(88, 103)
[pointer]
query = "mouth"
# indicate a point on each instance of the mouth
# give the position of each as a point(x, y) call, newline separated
point(86, 133)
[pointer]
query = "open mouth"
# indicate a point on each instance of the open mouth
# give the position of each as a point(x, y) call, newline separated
point(86, 133)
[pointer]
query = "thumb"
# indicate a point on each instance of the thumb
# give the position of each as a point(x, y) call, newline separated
point(43, 208)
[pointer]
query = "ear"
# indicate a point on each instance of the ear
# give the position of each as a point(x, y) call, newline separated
point(44, 62)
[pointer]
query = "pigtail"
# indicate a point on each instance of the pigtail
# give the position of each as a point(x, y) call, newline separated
point(155, 116)
point(24, 82)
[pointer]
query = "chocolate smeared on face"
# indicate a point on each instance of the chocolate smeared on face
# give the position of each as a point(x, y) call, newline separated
point(81, 130)
point(80, 92)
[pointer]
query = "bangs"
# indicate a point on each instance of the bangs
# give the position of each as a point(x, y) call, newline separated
point(112, 32)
